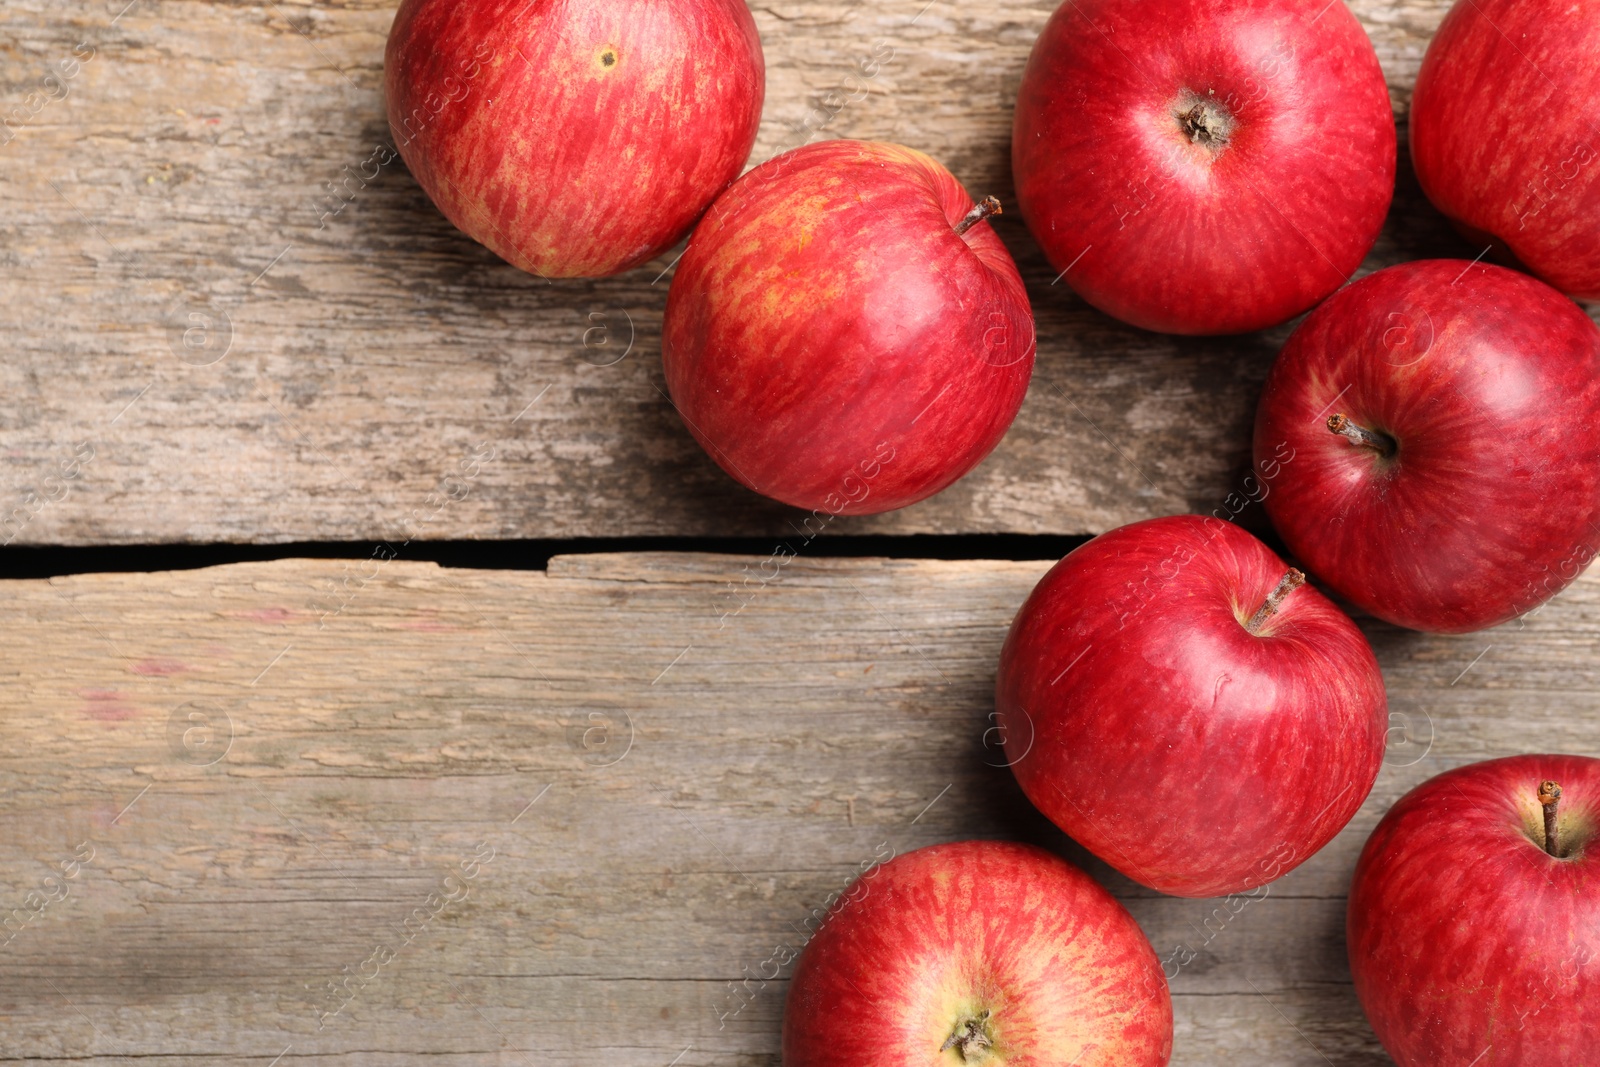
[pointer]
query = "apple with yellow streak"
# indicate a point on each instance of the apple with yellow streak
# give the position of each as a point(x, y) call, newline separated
point(574, 138)
point(979, 952)
point(845, 332)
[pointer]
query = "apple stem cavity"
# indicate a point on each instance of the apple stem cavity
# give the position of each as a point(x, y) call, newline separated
point(1380, 443)
point(1269, 607)
point(1204, 121)
point(971, 1036)
point(1550, 797)
point(989, 205)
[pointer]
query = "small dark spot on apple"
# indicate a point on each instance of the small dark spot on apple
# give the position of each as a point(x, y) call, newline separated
point(608, 58)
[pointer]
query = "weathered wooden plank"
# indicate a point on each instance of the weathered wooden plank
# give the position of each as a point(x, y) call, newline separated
point(270, 767)
point(368, 353)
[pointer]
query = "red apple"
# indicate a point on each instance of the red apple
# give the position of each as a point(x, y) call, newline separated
point(1204, 166)
point(1503, 134)
point(574, 138)
point(977, 952)
point(1178, 702)
point(1472, 941)
point(1460, 483)
point(844, 333)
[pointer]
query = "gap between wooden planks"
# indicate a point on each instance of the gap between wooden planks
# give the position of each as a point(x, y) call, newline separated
point(282, 773)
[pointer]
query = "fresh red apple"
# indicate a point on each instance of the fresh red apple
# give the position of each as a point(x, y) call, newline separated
point(1204, 166)
point(1173, 697)
point(1474, 918)
point(844, 332)
point(1503, 132)
point(979, 952)
point(574, 138)
point(1444, 420)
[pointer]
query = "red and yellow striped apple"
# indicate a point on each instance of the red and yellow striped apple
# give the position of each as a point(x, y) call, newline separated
point(1178, 702)
point(574, 138)
point(1474, 917)
point(979, 952)
point(844, 332)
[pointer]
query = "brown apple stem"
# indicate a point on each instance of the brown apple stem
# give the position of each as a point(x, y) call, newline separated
point(1550, 797)
point(983, 209)
point(1380, 443)
point(1286, 585)
point(971, 1036)
point(1206, 123)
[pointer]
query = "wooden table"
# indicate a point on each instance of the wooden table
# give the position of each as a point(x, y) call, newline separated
point(274, 772)
point(386, 813)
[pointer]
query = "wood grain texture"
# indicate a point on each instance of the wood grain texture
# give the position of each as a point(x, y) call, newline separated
point(270, 767)
point(183, 173)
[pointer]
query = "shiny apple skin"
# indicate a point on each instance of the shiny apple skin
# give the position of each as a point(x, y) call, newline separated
point(1489, 381)
point(561, 164)
point(1160, 231)
point(1503, 136)
point(1143, 719)
point(831, 341)
point(948, 931)
point(1468, 943)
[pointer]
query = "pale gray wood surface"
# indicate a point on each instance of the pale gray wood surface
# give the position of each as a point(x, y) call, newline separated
point(365, 729)
point(184, 173)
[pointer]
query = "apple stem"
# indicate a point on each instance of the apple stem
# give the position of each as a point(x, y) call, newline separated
point(1550, 796)
point(1286, 585)
point(983, 209)
point(971, 1037)
point(1379, 443)
point(1206, 124)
